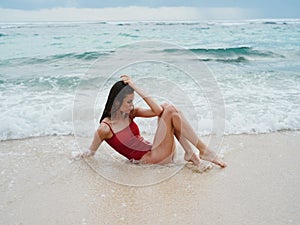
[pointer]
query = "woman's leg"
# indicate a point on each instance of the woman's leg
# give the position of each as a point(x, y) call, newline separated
point(184, 130)
point(189, 155)
point(172, 122)
point(163, 147)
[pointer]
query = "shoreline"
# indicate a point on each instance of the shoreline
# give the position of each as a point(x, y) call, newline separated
point(143, 133)
point(41, 184)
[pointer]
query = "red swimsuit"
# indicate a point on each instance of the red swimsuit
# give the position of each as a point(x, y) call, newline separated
point(128, 142)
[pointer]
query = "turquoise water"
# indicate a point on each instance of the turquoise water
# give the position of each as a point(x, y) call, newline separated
point(255, 63)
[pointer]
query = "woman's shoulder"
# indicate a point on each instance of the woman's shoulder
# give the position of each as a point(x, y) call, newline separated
point(106, 120)
point(104, 129)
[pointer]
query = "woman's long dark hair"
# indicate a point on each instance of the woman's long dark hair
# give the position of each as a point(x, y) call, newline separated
point(115, 98)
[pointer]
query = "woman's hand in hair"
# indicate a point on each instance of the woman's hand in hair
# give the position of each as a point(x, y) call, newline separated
point(127, 79)
point(155, 107)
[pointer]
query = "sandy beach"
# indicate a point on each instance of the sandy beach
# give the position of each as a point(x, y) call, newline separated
point(42, 184)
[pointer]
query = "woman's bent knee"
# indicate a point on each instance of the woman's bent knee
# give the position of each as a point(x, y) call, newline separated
point(168, 108)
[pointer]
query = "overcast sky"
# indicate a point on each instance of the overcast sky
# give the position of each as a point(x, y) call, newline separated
point(107, 10)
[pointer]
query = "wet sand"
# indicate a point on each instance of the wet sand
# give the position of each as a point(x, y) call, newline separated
point(42, 184)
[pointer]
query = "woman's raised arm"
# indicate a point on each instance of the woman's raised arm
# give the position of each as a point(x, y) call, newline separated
point(155, 107)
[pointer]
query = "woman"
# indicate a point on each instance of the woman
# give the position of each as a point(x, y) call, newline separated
point(118, 129)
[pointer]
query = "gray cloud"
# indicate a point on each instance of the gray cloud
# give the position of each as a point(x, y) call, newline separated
point(268, 8)
point(125, 14)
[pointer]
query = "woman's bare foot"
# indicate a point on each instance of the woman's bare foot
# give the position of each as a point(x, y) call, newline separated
point(192, 158)
point(210, 156)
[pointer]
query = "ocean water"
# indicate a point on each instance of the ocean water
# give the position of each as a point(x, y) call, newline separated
point(256, 65)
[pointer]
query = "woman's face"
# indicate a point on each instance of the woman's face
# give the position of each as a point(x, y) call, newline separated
point(127, 104)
